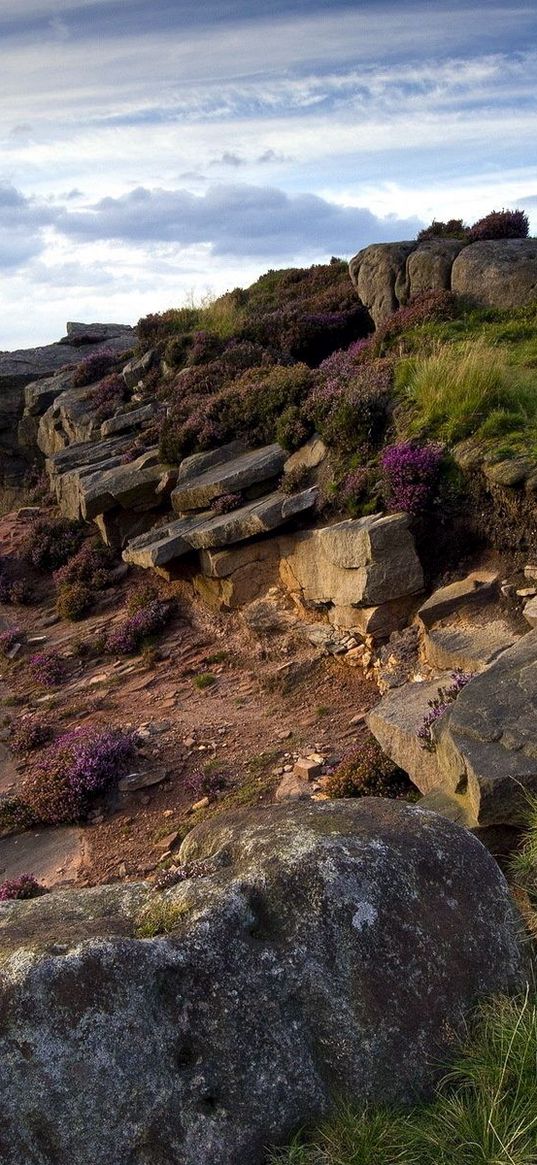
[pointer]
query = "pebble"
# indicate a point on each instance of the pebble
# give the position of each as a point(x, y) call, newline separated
point(203, 804)
point(168, 842)
point(122, 870)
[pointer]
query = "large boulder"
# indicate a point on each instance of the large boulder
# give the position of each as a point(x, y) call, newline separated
point(496, 273)
point(333, 948)
point(487, 747)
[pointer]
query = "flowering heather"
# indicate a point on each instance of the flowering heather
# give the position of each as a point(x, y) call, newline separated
point(354, 487)
point(91, 564)
point(367, 772)
point(225, 503)
point(51, 541)
point(8, 639)
point(131, 632)
point(501, 224)
point(205, 346)
point(411, 473)
point(67, 774)
point(48, 668)
point(431, 307)
point(349, 407)
point(93, 367)
point(26, 886)
point(108, 395)
point(439, 706)
point(205, 784)
point(30, 733)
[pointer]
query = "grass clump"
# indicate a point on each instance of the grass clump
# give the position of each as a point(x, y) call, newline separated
point(484, 1111)
point(159, 917)
point(453, 392)
point(204, 680)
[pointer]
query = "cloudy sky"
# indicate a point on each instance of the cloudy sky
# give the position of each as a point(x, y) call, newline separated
point(158, 150)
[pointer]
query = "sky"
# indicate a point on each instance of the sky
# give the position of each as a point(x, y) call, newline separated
point(157, 152)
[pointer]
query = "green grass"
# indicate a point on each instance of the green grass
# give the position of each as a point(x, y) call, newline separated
point(483, 1113)
point(159, 917)
point(460, 390)
point(204, 680)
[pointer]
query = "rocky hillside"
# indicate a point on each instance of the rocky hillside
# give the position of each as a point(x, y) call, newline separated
point(268, 651)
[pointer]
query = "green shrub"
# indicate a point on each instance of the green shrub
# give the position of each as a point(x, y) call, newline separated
point(454, 228)
point(74, 601)
point(204, 680)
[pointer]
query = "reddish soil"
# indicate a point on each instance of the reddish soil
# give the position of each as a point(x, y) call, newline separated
point(273, 698)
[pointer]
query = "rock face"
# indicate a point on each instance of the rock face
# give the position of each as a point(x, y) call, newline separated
point(336, 947)
point(28, 367)
point(500, 273)
point(256, 466)
point(487, 746)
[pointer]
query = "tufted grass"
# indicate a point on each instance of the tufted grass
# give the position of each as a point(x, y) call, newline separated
point(460, 390)
point(159, 917)
point(484, 1112)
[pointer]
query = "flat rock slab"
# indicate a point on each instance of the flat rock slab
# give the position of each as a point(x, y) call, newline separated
point(164, 543)
point(467, 648)
point(53, 856)
point(489, 737)
point(395, 722)
point(474, 590)
point(250, 468)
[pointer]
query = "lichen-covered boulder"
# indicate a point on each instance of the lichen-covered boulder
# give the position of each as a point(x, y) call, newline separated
point(335, 947)
point(497, 272)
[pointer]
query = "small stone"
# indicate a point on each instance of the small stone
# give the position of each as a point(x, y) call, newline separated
point(359, 718)
point(287, 768)
point(203, 804)
point(35, 639)
point(530, 571)
point(527, 592)
point(168, 813)
point(189, 742)
point(168, 842)
point(13, 651)
point(122, 870)
point(134, 781)
point(293, 788)
point(306, 769)
point(50, 620)
point(284, 734)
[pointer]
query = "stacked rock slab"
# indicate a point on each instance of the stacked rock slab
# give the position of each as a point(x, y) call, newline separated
point(208, 1044)
point(495, 273)
point(30, 367)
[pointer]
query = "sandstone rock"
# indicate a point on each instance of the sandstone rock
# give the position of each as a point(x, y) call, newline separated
point(428, 267)
point(82, 334)
point(203, 532)
point(40, 394)
point(488, 739)
point(467, 647)
point(293, 787)
point(231, 476)
point(360, 562)
point(208, 1044)
point(199, 463)
point(465, 594)
point(377, 272)
point(395, 722)
point(498, 273)
point(511, 472)
point(137, 368)
point(127, 421)
point(309, 456)
point(530, 612)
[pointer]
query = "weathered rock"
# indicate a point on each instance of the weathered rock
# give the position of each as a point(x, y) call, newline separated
point(530, 612)
point(199, 463)
point(488, 739)
point(210, 1043)
point(360, 562)
point(499, 273)
point(511, 472)
point(231, 476)
point(232, 578)
point(465, 594)
point(395, 722)
point(309, 456)
point(166, 543)
point(129, 420)
point(377, 272)
point(82, 334)
point(137, 368)
point(40, 394)
point(469, 647)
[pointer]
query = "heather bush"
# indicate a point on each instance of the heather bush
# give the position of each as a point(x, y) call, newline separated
point(157, 327)
point(205, 347)
point(354, 490)
point(501, 224)
point(50, 541)
point(74, 601)
point(454, 228)
point(91, 564)
point(349, 407)
point(439, 706)
point(15, 591)
point(141, 595)
point(15, 816)
point(30, 733)
point(432, 307)
point(226, 503)
point(93, 368)
point(48, 668)
point(25, 886)
point(107, 396)
point(293, 429)
point(176, 350)
point(8, 639)
point(367, 772)
point(130, 634)
point(79, 765)
point(199, 784)
point(295, 480)
point(411, 472)
point(306, 336)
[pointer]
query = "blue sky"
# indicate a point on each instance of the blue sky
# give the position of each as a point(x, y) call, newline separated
point(154, 152)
